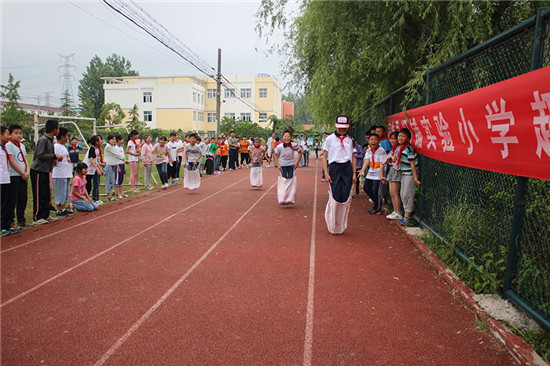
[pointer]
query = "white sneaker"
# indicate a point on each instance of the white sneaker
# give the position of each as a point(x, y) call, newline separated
point(40, 222)
point(51, 219)
point(150, 187)
point(176, 179)
point(164, 186)
point(99, 202)
point(392, 216)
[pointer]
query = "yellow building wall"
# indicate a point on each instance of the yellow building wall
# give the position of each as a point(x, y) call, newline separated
point(209, 103)
point(173, 119)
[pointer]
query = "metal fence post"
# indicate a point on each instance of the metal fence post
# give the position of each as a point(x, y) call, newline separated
point(522, 182)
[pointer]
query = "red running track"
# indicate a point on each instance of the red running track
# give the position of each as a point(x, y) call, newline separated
point(225, 276)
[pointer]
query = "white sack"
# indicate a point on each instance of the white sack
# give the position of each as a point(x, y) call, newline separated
point(286, 190)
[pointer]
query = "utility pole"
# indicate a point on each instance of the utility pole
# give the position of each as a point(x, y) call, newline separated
point(47, 99)
point(219, 92)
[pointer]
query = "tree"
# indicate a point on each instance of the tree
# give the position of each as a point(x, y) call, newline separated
point(90, 89)
point(348, 55)
point(111, 114)
point(67, 104)
point(133, 122)
point(13, 113)
point(242, 128)
point(302, 114)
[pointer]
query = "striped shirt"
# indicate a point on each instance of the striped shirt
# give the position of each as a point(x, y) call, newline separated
point(407, 156)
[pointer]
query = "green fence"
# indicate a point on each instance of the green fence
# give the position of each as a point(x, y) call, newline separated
point(498, 221)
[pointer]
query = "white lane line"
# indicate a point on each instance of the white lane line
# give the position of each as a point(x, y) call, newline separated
point(308, 343)
point(100, 216)
point(159, 302)
point(113, 247)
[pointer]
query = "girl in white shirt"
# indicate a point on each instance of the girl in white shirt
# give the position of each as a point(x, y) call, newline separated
point(133, 149)
point(284, 156)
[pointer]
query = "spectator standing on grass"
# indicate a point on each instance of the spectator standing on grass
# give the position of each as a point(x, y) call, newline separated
point(160, 152)
point(62, 174)
point(244, 145)
point(93, 159)
point(133, 150)
point(204, 145)
point(19, 176)
point(74, 151)
point(224, 153)
point(5, 183)
point(44, 159)
point(121, 168)
point(113, 157)
point(233, 142)
point(147, 160)
point(79, 195)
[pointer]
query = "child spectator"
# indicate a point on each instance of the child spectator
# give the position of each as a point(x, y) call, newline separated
point(121, 168)
point(160, 152)
point(62, 174)
point(406, 161)
point(217, 154)
point(205, 146)
point(74, 151)
point(5, 183)
point(147, 159)
point(384, 142)
point(44, 158)
point(233, 142)
point(133, 150)
point(244, 145)
point(113, 158)
point(305, 148)
point(359, 156)
point(19, 177)
point(374, 158)
point(224, 153)
point(394, 178)
point(79, 195)
point(93, 159)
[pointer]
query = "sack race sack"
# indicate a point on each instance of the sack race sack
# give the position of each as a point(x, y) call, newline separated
point(192, 179)
point(286, 190)
point(256, 177)
point(209, 166)
point(336, 214)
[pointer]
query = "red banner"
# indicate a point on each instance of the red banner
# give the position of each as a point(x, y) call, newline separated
point(504, 127)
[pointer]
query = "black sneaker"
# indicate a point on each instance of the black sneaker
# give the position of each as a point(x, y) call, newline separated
point(62, 213)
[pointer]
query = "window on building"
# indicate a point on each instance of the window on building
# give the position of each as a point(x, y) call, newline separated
point(194, 97)
point(194, 115)
point(263, 92)
point(262, 117)
point(147, 97)
point(148, 116)
point(211, 117)
point(201, 116)
point(246, 117)
point(212, 93)
point(246, 92)
point(229, 93)
point(229, 115)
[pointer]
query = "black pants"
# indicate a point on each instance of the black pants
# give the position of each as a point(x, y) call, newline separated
point(357, 183)
point(245, 158)
point(4, 199)
point(233, 157)
point(223, 162)
point(171, 169)
point(40, 182)
point(18, 199)
point(92, 185)
point(287, 171)
point(341, 175)
point(177, 163)
point(371, 188)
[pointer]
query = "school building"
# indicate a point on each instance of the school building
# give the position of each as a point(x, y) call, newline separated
point(189, 103)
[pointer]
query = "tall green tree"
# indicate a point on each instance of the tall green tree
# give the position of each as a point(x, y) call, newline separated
point(111, 114)
point(134, 122)
point(13, 113)
point(67, 104)
point(348, 55)
point(90, 88)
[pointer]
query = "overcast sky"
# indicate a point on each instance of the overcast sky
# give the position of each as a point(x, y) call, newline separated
point(34, 33)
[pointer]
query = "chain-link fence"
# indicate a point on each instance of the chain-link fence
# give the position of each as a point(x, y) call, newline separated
point(499, 221)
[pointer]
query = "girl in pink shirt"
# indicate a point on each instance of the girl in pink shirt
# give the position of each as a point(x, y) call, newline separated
point(79, 196)
point(147, 160)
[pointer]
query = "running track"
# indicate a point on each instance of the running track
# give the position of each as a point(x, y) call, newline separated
point(225, 276)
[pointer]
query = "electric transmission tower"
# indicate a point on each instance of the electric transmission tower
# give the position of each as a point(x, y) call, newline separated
point(67, 77)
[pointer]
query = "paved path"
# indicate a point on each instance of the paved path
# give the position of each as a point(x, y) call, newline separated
point(225, 276)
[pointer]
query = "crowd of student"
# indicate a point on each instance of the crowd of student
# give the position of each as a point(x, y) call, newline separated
point(382, 164)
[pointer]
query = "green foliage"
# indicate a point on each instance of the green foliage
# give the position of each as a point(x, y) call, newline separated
point(13, 113)
point(111, 114)
point(133, 122)
point(67, 104)
point(302, 116)
point(90, 89)
point(243, 128)
point(347, 56)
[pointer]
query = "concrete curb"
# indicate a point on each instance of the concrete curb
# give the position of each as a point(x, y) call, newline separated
point(516, 346)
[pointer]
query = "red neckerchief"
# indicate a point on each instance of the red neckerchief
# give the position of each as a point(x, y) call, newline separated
point(290, 145)
point(392, 153)
point(75, 148)
point(342, 138)
point(100, 155)
point(18, 144)
point(383, 138)
point(7, 156)
point(372, 160)
point(401, 148)
point(135, 144)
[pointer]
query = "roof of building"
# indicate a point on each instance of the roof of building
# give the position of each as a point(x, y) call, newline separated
point(44, 108)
